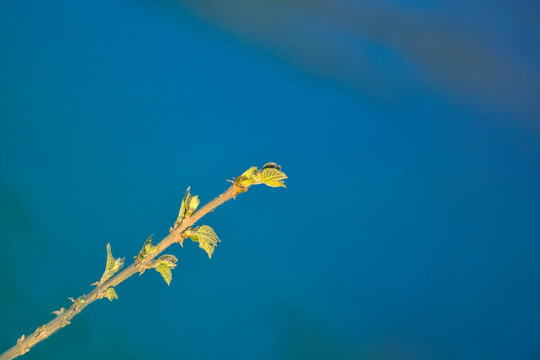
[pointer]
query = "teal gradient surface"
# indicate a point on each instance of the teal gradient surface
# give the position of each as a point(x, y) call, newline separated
point(409, 228)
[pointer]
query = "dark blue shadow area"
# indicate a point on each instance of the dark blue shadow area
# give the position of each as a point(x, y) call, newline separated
point(410, 135)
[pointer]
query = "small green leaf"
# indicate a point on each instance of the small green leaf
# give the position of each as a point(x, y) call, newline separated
point(112, 267)
point(79, 300)
point(168, 259)
point(193, 204)
point(110, 258)
point(147, 249)
point(111, 294)
point(272, 175)
point(205, 236)
point(248, 178)
point(165, 271)
point(164, 265)
point(189, 204)
point(188, 207)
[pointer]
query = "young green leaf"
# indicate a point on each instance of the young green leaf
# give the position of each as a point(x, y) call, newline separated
point(79, 300)
point(110, 259)
point(248, 178)
point(112, 267)
point(147, 249)
point(165, 272)
point(205, 236)
point(169, 260)
point(164, 265)
point(111, 294)
point(188, 207)
point(272, 175)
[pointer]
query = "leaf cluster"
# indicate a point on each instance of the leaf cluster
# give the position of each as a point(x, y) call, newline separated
point(270, 175)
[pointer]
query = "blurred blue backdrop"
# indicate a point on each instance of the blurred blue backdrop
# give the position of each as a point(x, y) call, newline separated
point(409, 131)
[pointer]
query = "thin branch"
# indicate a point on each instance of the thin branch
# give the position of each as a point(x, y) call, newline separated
point(63, 318)
point(270, 175)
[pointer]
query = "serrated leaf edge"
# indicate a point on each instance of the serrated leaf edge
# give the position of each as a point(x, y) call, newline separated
point(147, 249)
point(111, 293)
point(164, 265)
point(207, 234)
point(272, 177)
point(165, 272)
point(111, 267)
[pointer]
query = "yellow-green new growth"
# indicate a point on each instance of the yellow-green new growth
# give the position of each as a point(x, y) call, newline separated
point(248, 178)
point(78, 300)
point(164, 265)
point(111, 294)
point(205, 236)
point(112, 267)
point(188, 207)
point(270, 175)
point(147, 249)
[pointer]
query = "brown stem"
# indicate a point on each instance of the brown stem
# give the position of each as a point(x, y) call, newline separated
point(24, 344)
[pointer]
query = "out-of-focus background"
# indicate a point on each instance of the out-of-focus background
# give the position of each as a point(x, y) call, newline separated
point(410, 131)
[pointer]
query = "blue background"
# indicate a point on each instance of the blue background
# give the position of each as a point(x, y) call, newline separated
point(409, 228)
